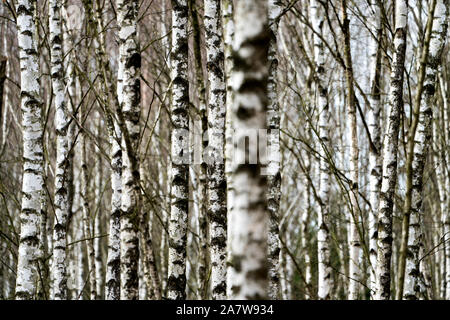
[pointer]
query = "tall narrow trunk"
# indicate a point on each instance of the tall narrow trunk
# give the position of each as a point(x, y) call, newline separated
point(273, 136)
point(325, 281)
point(375, 134)
point(203, 267)
point(33, 161)
point(228, 35)
point(59, 268)
point(129, 66)
point(248, 278)
point(390, 150)
point(179, 140)
point(98, 218)
point(112, 282)
point(355, 246)
point(434, 43)
point(217, 184)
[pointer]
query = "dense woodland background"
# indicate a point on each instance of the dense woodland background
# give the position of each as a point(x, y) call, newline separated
point(99, 100)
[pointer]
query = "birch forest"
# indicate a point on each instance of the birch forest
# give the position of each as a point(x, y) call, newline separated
point(224, 150)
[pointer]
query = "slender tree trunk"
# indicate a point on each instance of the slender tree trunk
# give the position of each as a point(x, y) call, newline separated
point(248, 278)
point(273, 136)
point(112, 282)
point(98, 219)
point(228, 35)
point(390, 150)
point(202, 266)
point(375, 134)
point(217, 184)
point(431, 56)
point(355, 246)
point(62, 149)
point(180, 154)
point(325, 281)
point(33, 161)
point(129, 66)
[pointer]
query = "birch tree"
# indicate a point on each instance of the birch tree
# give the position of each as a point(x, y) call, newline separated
point(355, 245)
point(33, 164)
point(179, 150)
point(217, 184)
point(375, 134)
point(325, 281)
point(129, 67)
point(112, 282)
point(435, 37)
point(248, 274)
point(390, 156)
point(59, 267)
point(273, 136)
point(203, 266)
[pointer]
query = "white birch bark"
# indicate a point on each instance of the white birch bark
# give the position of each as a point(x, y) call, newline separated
point(325, 281)
point(354, 239)
point(59, 268)
point(112, 282)
point(248, 274)
point(390, 149)
point(228, 35)
point(273, 136)
point(217, 184)
point(412, 288)
point(32, 130)
point(375, 134)
point(180, 150)
point(203, 267)
point(99, 270)
point(129, 67)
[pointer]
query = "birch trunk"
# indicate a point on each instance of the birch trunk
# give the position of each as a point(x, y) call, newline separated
point(390, 149)
point(355, 246)
point(33, 181)
point(375, 134)
point(430, 61)
point(273, 135)
point(203, 267)
point(217, 184)
point(180, 151)
point(248, 278)
point(59, 267)
point(129, 67)
point(325, 281)
point(228, 35)
point(112, 282)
